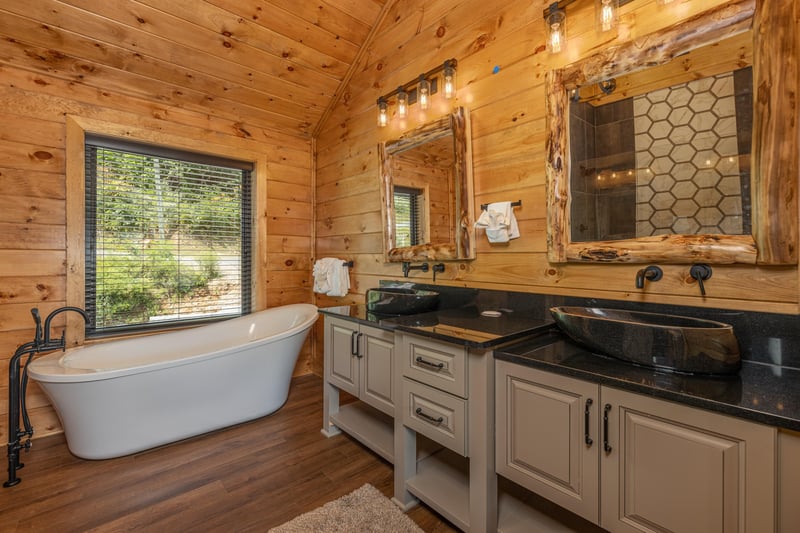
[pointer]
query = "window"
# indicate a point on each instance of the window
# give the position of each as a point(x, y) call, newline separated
point(407, 216)
point(167, 236)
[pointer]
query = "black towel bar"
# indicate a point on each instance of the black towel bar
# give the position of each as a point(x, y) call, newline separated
point(513, 204)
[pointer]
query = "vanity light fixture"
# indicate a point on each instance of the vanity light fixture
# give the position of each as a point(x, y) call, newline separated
point(607, 14)
point(555, 20)
point(419, 90)
point(424, 92)
point(556, 24)
point(449, 68)
point(402, 103)
point(383, 112)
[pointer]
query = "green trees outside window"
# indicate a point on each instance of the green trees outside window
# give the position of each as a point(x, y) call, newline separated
point(167, 238)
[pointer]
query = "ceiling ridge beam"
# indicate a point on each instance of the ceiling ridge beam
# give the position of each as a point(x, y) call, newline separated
point(353, 66)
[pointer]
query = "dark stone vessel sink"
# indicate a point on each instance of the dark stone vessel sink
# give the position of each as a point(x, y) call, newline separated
point(400, 301)
point(677, 343)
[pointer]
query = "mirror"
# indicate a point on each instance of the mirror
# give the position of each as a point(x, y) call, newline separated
point(426, 192)
point(658, 150)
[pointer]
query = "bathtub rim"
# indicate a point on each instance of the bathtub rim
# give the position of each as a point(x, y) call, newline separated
point(49, 368)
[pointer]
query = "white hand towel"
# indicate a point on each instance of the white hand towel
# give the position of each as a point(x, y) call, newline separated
point(331, 277)
point(499, 222)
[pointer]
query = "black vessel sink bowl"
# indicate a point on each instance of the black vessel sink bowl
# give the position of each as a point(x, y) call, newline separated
point(400, 301)
point(671, 342)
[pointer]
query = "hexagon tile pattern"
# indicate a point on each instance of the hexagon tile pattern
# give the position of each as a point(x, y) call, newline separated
point(687, 159)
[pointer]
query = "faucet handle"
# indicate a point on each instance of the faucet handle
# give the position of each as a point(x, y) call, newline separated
point(38, 319)
point(700, 272)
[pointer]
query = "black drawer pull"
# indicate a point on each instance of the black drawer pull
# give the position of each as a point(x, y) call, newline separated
point(354, 343)
point(428, 417)
point(586, 438)
point(437, 366)
point(606, 445)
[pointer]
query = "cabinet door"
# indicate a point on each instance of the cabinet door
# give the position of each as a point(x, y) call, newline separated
point(546, 441)
point(341, 365)
point(675, 468)
point(788, 481)
point(377, 369)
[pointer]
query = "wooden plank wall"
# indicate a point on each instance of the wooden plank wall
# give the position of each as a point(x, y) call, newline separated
point(502, 61)
point(33, 107)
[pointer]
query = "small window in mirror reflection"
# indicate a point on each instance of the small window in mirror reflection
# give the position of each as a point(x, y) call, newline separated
point(408, 204)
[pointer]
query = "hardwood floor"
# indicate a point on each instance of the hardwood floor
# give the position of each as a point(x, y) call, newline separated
point(246, 478)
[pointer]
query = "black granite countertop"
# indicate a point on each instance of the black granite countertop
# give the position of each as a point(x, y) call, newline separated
point(764, 393)
point(465, 326)
point(766, 390)
point(358, 313)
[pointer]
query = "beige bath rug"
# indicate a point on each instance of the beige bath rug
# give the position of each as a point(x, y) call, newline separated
point(363, 510)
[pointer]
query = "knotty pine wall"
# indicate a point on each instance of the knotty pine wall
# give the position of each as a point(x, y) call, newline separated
point(33, 111)
point(508, 135)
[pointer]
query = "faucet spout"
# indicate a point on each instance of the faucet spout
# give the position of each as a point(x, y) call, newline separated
point(408, 268)
point(53, 314)
point(651, 273)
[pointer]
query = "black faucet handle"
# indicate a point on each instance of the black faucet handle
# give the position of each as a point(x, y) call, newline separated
point(37, 318)
point(700, 272)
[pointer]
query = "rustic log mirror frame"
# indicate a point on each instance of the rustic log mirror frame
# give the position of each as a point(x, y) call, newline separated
point(774, 160)
point(461, 244)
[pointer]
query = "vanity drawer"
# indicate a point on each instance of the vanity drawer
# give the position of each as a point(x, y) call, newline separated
point(439, 364)
point(439, 416)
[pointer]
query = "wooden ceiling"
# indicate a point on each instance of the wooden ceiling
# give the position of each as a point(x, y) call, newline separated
point(278, 64)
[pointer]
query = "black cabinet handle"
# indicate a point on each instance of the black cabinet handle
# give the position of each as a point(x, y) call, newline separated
point(586, 438)
point(353, 343)
point(606, 446)
point(358, 346)
point(428, 417)
point(437, 366)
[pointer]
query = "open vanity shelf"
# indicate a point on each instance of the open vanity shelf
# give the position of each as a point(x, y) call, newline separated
point(370, 427)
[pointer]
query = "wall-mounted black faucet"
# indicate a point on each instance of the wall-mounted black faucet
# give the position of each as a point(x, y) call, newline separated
point(408, 268)
point(650, 273)
point(700, 272)
point(18, 385)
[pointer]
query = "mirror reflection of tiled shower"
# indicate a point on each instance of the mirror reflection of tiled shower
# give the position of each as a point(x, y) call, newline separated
point(666, 162)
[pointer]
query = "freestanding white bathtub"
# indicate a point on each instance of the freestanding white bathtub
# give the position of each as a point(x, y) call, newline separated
point(125, 396)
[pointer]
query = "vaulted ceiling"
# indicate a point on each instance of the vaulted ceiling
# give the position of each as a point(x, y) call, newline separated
point(279, 63)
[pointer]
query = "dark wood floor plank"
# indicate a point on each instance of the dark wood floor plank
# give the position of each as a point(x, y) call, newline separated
point(249, 477)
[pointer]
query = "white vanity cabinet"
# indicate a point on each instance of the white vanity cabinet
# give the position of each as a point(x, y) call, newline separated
point(630, 462)
point(447, 394)
point(359, 359)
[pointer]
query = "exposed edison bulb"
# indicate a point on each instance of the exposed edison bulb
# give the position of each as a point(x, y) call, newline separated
point(424, 93)
point(383, 113)
point(402, 103)
point(449, 79)
point(556, 29)
point(555, 38)
point(607, 14)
